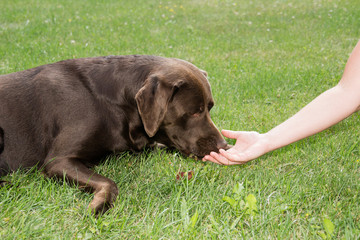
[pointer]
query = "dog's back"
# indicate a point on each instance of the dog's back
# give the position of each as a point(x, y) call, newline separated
point(38, 104)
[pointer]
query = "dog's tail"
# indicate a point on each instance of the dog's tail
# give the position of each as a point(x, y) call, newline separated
point(1, 140)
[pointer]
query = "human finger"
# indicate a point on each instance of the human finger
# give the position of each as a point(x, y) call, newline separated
point(221, 159)
point(207, 158)
point(211, 159)
point(230, 134)
point(239, 158)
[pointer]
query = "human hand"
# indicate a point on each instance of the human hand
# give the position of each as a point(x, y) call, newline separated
point(248, 146)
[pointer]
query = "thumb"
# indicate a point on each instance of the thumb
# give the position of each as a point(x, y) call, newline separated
point(230, 134)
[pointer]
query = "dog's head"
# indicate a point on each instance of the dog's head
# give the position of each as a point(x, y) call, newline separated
point(174, 105)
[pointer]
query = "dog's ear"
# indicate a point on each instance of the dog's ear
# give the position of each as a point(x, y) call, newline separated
point(204, 72)
point(152, 102)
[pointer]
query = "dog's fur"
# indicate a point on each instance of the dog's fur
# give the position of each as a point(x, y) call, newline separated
point(65, 117)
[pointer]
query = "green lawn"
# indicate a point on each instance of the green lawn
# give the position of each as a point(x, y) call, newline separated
point(265, 59)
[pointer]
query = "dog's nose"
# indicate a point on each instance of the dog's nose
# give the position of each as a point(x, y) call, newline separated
point(222, 144)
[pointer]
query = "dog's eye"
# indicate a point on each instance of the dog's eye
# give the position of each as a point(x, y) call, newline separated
point(198, 112)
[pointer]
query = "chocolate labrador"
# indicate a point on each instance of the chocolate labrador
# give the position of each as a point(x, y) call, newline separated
point(66, 116)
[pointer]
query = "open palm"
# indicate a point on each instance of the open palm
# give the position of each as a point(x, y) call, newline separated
point(248, 146)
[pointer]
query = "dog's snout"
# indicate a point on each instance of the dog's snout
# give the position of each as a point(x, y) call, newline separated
point(222, 144)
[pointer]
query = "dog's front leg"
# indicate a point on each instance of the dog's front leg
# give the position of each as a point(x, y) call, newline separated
point(76, 172)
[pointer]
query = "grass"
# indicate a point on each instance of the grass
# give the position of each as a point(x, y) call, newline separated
point(265, 59)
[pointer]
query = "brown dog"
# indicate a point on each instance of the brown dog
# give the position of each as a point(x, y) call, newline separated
point(65, 117)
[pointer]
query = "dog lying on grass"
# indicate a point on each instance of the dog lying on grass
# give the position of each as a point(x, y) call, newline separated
point(67, 116)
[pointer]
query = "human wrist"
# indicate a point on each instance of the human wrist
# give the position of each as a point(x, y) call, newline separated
point(268, 142)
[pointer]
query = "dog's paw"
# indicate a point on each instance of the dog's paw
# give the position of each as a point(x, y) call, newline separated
point(103, 200)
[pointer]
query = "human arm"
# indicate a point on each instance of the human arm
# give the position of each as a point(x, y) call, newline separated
point(327, 109)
